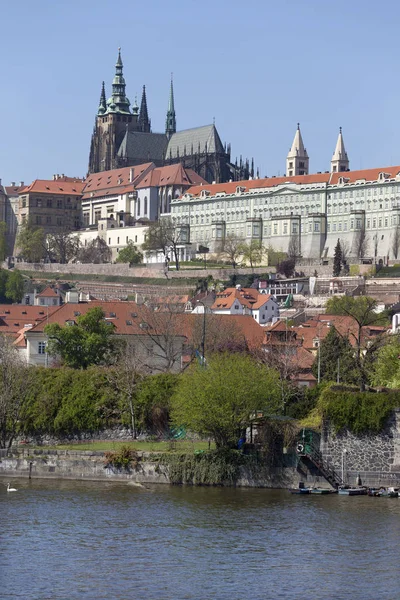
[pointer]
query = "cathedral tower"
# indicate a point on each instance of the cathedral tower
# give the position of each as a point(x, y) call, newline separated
point(170, 122)
point(297, 159)
point(113, 119)
point(340, 160)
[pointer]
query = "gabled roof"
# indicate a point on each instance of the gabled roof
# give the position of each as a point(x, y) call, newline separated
point(248, 297)
point(206, 138)
point(13, 190)
point(48, 292)
point(116, 181)
point(58, 186)
point(170, 175)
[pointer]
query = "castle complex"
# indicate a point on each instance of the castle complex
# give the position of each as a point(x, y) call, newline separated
point(122, 137)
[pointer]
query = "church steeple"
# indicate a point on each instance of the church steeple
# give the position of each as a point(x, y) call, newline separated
point(297, 159)
point(102, 105)
point(144, 121)
point(170, 123)
point(118, 102)
point(340, 160)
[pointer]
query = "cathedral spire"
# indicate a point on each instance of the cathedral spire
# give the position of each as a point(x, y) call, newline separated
point(118, 102)
point(102, 105)
point(170, 123)
point(144, 120)
point(340, 160)
point(297, 159)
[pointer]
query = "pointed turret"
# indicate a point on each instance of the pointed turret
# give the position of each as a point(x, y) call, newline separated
point(102, 105)
point(118, 102)
point(144, 121)
point(170, 122)
point(297, 159)
point(340, 160)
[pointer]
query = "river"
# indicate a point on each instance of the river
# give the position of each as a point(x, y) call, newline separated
point(64, 540)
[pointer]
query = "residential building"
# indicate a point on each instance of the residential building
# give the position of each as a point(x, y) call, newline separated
point(246, 301)
point(122, 137)
point(51, 204)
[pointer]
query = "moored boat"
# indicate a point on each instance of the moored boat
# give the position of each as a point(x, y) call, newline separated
point(349, 491)
point(302, 490)
point(322, 491)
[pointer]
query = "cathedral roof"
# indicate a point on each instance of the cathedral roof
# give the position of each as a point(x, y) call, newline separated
point(340, 151)
point(140, 146)
point(184, 142)
point(297, 148)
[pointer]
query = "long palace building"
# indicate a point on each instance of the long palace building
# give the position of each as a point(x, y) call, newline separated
point(310, 212)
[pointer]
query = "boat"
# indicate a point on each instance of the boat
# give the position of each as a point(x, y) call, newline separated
point(322, 491)
point(355, 491)
point(390, 492)
point(300, 490)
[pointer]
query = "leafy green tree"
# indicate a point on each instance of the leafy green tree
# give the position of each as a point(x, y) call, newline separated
point(220, 399)
point(363, 311)
point(3, 243)
point(31, 242)
point(15, 286)
point(85, 343)
point(153, 400)
point(231, 249)
point(3, 284)
point(252, 252)
point(130, 254)
point(386, 368)
point(14, 383)
point(337, 260)
point(336, 356)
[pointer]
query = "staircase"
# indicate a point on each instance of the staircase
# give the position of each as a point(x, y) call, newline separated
point(309, 452)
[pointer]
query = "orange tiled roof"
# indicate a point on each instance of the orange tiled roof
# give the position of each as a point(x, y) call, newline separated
point(13, 190)
point(49, 292)
point(248, 297)
point(170, 175)
point(116, 181)
point(57, 186)
point(367, 174)
point(14, 317)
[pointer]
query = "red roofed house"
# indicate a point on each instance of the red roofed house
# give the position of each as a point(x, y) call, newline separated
point(49, 297)
point(246, 301)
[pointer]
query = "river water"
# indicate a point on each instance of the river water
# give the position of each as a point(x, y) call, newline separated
point(62, 540)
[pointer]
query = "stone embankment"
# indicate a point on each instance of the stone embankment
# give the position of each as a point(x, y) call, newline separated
point(91, 466)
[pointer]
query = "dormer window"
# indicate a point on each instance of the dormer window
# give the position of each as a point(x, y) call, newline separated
point(240, 189)
point(204, 193)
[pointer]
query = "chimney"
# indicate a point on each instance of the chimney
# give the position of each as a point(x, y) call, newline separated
point(13, 184)
point(54, 177)
point(21, 183)
point(130, 175)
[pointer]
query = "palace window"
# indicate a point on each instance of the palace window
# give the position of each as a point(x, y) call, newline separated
point(42, 348)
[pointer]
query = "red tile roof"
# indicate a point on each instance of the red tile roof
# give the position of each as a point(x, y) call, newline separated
point(44, 186)
point(13, 190)
point(247, 185)
point(367, 174)
point(13, 317)
point(116, 181)
point(248, 297)
point(170, 175)
point(49, 292)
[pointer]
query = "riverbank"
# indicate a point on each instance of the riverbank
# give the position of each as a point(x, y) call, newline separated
point(146, 468)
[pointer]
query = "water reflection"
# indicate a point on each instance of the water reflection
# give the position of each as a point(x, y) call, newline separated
point(67, 540)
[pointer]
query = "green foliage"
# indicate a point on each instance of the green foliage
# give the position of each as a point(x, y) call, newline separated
point(336, 353)
point(275, 256)
point(252, 252)
point(3, 244)
point(122, 459)
point(153, 401)
point(87, 342)
point(303, 400)
point(337, 260)
point(219, 400)
point(359, 412)
point(15, 286)
point(130, 254)
point(361, 308)
point(386, 367)
point(218, 467)
point(31, 242)
point(65, 401)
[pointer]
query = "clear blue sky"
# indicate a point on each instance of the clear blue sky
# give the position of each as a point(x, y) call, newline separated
point(258, 67)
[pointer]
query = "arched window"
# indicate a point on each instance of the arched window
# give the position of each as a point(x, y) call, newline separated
point(138, 207)
point(145, 205)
